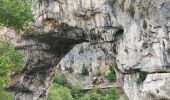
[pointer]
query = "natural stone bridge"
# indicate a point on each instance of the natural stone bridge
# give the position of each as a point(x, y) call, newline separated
point(134, 32)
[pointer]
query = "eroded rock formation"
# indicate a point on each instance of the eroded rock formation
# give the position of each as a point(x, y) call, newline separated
point(133, 32)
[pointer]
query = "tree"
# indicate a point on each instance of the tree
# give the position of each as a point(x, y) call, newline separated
point(15, 13)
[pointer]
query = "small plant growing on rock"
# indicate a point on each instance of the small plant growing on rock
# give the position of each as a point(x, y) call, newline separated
point(145, 44)
point(61, 80)
point(99, 73)
point(81, 50)
point(112, 75)
point(84, 70)
point(142, 76)
point(77, 91)
point(131, 11)
point(168, 51)
point(70, 69)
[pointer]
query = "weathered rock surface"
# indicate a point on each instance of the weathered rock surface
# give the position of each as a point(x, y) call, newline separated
point(133, 32)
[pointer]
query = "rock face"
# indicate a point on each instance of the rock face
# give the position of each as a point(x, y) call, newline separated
point(135, 33)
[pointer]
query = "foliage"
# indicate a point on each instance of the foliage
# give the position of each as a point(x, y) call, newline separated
point(142, 76)
point(112, 75)
point(15, 13)
point(84, 71)
point(12, 57)
point(86, 97)
point(77, 91)
point(131, 10)
point(58, 92)
point(5, 95)
point(61, 80)
point(168, 51)
point(112, 94)
point(81, 50)
point(145, 44)
point(10, 60)
point(99, 73)
point(5, 65)
point(71, 70)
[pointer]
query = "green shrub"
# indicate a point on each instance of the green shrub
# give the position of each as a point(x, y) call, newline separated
point(86, 97)
point(10, 61)
point(112, 75)
point(145, 44)
point(11, 56)
point(5, 95)
point(131, 11)
point(99, 73)
point(61, 80)
point(81, 50)
point(77, 91)
point(58, 92)
point(70, 69)
point(112, 94)
point(84, 71)
point(15, 13)
point(142, 76)
point(168, 51)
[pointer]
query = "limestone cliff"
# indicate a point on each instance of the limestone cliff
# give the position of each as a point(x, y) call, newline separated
point(132, 33)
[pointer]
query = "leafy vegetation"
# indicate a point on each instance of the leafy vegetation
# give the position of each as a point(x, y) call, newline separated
point(112, 75)
point(99, 73)
point(85, 71)
point(70, 69)
point(142, 76)
point(145, 44)
point(60, 79)
point(77, 91)
point(10, 61)
point(15, 13)
point(60, 91)
point(168, 51)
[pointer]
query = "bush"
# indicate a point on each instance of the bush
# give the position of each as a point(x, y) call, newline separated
point(99, 73)
point(112, 75)
point(81, 50)
point(77, 91)
point(112, 94)
point(15, 13)
point(5, 95)
point(71, 70)
point(142, 76)
point(84, 70)
point(168, 51)
point(61, 80)
point(10, 60)
point(145, 44)
point(58, 92)
point(11, 56)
